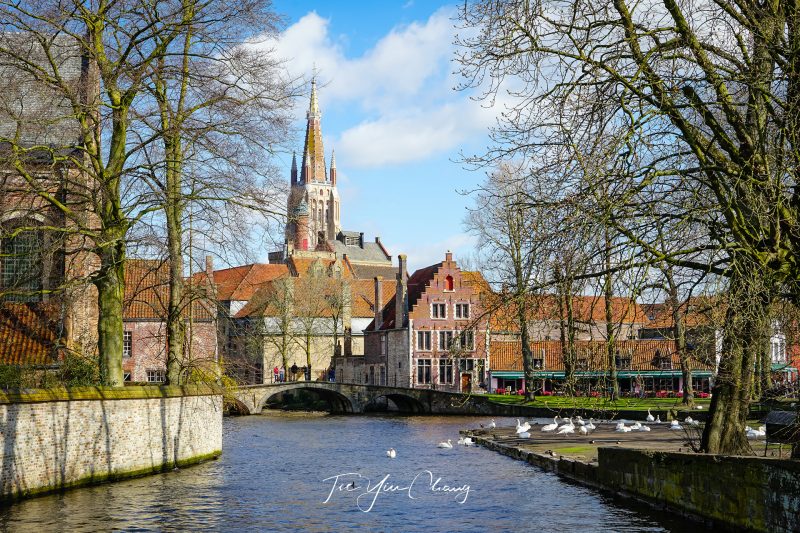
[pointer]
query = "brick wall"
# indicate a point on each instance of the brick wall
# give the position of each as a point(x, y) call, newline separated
point(149, 345)
point(50, 445)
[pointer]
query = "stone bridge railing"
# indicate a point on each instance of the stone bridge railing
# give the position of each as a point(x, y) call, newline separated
point(360, 398)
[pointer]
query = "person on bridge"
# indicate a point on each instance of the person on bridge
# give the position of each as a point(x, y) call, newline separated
point(275, 374)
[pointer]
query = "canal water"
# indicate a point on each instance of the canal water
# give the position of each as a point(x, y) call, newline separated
point(279, 472)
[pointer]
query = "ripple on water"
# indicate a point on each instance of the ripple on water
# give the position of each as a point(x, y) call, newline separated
point(270, 478)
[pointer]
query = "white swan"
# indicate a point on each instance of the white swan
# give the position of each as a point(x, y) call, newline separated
point(650, 417)
point(391, 453)
point(580, 421)
point(675, 425)
point(689, 420)
point(447, 444)
point(636, 426)
point(468, 441)
point(522, 428)
point(551, 427)
point(492, 425)
point(590, 426)
point(568, 423)
point(584, 430)
point(566, 429)
point(644, 428)
point(461, 440)
point(622, 428)
point(658, 419)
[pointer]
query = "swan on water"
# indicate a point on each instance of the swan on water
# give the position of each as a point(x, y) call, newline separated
point(567, 424)
point(522, 428)
point(551, 427)
point(590, 426)
point(675, 425)
point(583, 430)
point(492, 425)
point(468, 441)
point(447, 444)
point(391, 453)
point(636, 426)
point(622, 428)
point(658, 419)
point(650, 417)
point(580, 421)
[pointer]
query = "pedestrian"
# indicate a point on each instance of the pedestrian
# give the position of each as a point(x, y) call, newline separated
point(275, 374)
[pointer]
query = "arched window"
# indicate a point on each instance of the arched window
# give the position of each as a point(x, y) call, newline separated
point(448, 283)
point(21, 265)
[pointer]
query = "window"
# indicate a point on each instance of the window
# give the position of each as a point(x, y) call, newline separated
point(448, 283)
point(445, 340)
point(445, 371)
point(778, 349)
point(156, 376)
point(467, 340)
point(424, 340)
point(582, 363)
point(462, 310)
point(538, 364)
point(22, 265)
point(423, 371)
point(372, 375)
point(127, 344)
point(383, 375)
point(466, 365)
point(384, 344)
point(126, 376)
point(438, 310)
point(622, 361)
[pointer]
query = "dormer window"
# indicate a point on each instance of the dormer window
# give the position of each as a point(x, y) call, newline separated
point(448, 283)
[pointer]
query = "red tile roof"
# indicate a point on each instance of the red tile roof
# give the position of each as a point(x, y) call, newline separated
point(586, 309)
point(364, 296)
point(507, 355)
point(28, 333)
point(147, 292)
point(240, 283)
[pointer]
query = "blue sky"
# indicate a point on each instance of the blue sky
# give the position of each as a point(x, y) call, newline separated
point(390, 111)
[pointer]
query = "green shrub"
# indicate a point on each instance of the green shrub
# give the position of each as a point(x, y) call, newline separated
point(78, 371)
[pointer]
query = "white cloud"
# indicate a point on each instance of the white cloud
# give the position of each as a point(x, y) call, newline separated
point(399, 91)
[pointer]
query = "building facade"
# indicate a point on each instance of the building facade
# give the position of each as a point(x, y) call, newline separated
point(431, 334)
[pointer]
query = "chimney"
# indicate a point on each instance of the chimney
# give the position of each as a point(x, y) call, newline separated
point(209, 265)
point(378, 304)
point(401, 295)
point(448, 257)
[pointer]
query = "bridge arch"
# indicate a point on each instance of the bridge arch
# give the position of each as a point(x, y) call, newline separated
point(403, 402)
point(339, 403)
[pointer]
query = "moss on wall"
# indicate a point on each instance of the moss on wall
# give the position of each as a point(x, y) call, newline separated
point(103, 393)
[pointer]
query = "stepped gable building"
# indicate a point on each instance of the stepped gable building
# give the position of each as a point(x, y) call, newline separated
point(313, 228)
point(431, 334)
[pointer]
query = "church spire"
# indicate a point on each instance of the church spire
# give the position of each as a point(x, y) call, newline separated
point(313, 151)
point(294, 169)
point(333, 168)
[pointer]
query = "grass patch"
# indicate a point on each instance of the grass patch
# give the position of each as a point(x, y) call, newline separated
point(575, 449)
point(569, 402)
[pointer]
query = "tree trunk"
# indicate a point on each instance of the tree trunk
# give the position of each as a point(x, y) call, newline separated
point(176, 328)
point(527, 356)
point(744, 333)
point(680, 339)
point(110, 283)
point(608, 292)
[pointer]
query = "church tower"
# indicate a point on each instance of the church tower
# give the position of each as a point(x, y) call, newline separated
point(314, 200)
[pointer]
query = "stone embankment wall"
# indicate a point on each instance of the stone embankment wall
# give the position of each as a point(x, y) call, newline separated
point(750, 493)
point(56, 439)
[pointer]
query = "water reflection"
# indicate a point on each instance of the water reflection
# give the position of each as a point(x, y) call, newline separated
point(271, 474)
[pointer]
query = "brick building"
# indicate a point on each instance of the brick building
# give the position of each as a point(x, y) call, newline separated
point(431, 334)
point(145, 330)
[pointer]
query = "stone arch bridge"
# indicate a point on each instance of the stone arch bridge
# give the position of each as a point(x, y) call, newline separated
point(358, 398)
